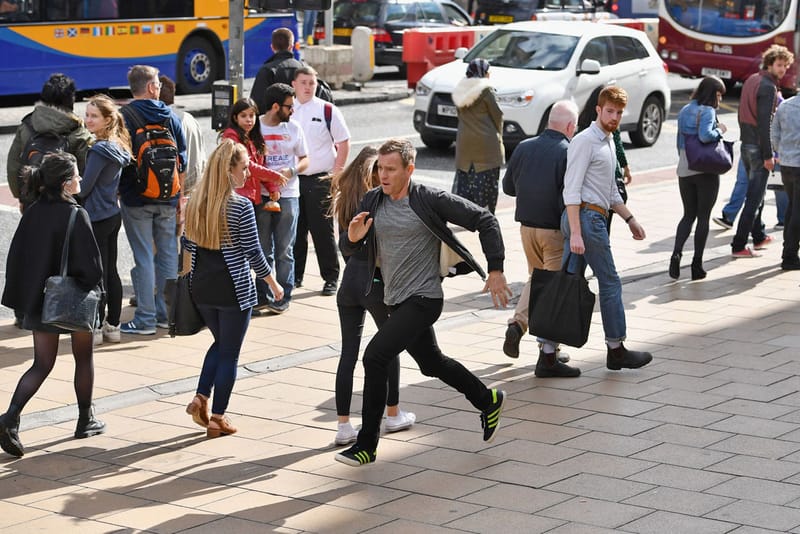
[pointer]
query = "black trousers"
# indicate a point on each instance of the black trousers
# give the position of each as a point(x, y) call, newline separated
point(698, 194)
point(106, 233)
point(315, 201)
point(791, 229)
point(410, 328)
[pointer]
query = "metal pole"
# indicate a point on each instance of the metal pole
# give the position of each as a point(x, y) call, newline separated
point(328, 41)
point(236, 44)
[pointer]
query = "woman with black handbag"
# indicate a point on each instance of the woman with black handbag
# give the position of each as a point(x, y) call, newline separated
point(52, 186)
point(221, 235)
point(698, 189)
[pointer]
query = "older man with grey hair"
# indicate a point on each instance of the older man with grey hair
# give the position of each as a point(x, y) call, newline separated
point(539, 207)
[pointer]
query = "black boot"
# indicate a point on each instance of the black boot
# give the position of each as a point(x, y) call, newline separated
point(9, 433)
point(621, 357)
point(675, 266)
point(698, 273)
point(87, 424)
point(548, 366)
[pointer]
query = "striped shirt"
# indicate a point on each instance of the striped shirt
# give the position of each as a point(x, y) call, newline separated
point(242, 251)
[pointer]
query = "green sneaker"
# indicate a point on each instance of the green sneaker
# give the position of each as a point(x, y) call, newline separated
point(490, 417)
point(355, 456)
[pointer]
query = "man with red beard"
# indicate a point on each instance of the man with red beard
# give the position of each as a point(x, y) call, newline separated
point(589, 192)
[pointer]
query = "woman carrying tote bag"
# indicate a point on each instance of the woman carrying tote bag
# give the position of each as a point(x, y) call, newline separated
point(698, 190)
point(34, 256)
point(221, 235)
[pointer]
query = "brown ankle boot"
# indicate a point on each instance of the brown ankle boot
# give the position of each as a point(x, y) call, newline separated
point(219, 425)
point(198, 409)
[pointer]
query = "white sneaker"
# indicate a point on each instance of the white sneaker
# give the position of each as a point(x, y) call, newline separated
point(401, 421)
point(346, 434)
point(97, 337)
point(111, 333)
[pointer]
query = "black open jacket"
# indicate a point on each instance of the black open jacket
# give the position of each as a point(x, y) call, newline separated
point(436, 208)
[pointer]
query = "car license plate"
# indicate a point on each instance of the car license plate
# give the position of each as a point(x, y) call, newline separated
point(342, 32)
point(447, 111)
point(501, 19)
point(706, 71)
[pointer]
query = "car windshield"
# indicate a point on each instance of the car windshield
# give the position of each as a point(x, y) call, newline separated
point(357, 12)
point(525, 50)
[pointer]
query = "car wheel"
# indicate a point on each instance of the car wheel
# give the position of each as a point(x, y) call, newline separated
point(650, 121)
point(198, 65)
point(435, 142)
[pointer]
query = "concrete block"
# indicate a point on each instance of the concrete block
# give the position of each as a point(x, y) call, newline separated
point(333, 63)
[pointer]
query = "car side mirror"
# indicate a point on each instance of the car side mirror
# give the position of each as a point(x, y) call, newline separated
point(460, 52)
point(589, 66)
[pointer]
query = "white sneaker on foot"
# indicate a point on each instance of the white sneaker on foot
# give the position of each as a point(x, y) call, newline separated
point(111, 333)
point(401, 421)
point(346, 434)
point(97, 337)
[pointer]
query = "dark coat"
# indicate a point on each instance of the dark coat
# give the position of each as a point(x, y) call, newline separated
point(277, 69)
point(35, 254)
point(436, 208)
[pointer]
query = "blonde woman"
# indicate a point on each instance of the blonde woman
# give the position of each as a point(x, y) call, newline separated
point(222, 238)
point(104, 163)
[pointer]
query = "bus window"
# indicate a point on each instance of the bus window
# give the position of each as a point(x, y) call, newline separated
point(740, 18)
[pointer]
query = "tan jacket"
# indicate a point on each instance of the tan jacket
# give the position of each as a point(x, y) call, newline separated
point(479, 140)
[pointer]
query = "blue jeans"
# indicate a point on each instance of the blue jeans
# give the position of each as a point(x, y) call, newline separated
point(598, 255)
point(309, 20)
point(228, 325)
point(151, 227)
point(781, 204)
point(750, 219)
point(731, 209)
point(278, 230)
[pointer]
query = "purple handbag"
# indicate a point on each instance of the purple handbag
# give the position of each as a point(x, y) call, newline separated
point(711, 158)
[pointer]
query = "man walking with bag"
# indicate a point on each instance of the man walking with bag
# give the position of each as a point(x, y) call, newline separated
point(539, 208)
point(589, 192)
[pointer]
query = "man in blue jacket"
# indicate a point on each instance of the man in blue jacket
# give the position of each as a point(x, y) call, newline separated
point(150, 223)
point(404, 225)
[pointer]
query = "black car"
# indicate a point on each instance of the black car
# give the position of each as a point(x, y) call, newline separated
point(505, 11)
point(388, 19)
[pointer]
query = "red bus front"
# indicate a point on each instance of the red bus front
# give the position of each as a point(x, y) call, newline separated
point(726, 39)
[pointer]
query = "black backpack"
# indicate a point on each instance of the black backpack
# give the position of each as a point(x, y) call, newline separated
point(39, 144)
point(324, 91)
point(156, 155)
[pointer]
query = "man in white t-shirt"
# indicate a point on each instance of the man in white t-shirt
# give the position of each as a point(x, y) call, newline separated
point(328, 146)
point(287, 154)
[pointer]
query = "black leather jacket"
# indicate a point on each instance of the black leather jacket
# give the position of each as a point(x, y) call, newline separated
point(436, 208)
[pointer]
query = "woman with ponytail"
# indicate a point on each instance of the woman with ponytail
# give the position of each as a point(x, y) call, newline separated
point(33, 257)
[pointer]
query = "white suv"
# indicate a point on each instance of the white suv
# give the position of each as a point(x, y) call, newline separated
point(535, 64)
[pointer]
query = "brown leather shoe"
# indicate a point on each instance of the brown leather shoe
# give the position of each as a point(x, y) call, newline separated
point(198, 409)
point(219, 425)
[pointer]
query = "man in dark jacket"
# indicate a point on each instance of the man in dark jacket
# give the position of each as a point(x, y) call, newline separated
point(150, 223)
point(53, 114)
point(756, 107)
point(277, 69)
point(539, 207)
point(410, 227)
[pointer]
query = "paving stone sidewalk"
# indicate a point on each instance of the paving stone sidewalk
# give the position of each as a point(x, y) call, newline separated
point(704, 439)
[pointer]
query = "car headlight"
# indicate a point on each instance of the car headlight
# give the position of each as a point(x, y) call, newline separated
point(516, 99)
point(422, 89)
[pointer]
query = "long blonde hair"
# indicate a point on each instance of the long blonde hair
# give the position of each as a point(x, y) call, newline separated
point(116, 131)
point(206, 212)
point(350, 185)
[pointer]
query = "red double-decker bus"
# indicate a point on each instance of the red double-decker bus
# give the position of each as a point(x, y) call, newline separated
point(726, 38)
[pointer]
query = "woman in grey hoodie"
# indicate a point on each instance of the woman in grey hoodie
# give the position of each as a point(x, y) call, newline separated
point(479, 141)
point(104, 164)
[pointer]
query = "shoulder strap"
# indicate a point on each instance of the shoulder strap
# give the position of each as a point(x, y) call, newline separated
point(328, 113)
point(65, 248)
point(134, 116)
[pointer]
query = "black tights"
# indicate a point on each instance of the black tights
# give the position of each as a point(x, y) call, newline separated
point(698, 193)
point(45, 350)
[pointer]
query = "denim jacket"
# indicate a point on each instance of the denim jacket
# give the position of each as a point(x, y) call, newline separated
point(688, 124)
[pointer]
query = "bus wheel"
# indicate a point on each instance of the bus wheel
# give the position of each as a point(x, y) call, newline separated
point(197, 66)
point(649, 126)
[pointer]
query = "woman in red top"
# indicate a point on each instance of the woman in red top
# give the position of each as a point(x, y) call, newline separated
point(241, 129)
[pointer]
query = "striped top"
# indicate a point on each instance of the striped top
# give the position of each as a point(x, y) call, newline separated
point(243, 251)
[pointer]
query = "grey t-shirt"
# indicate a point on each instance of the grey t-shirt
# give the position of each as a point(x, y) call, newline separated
point(408, 253)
